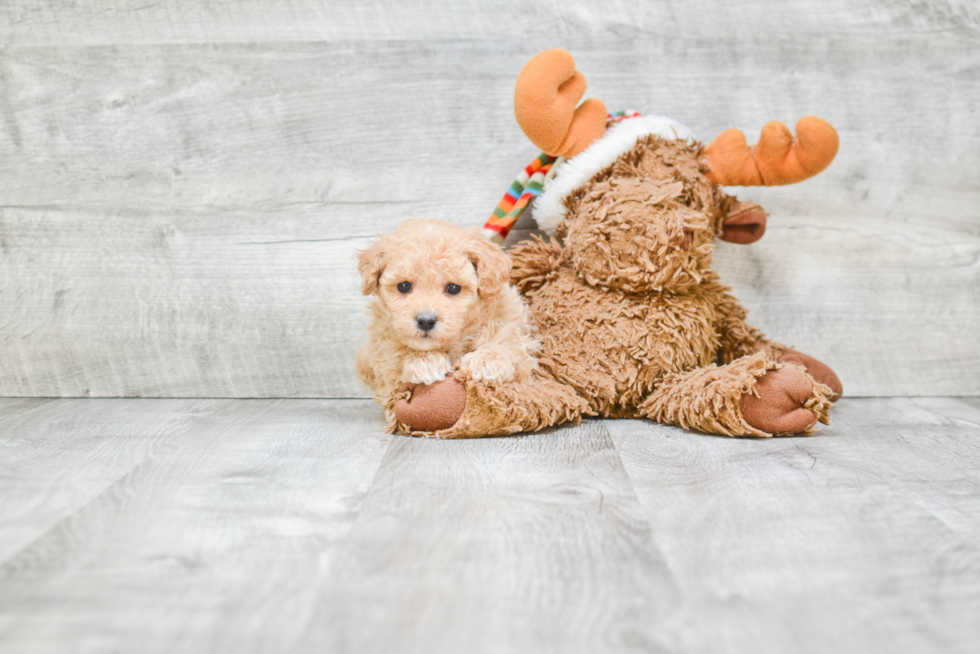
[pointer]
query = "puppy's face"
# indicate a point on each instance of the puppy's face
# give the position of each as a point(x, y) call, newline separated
point(429, 295)
point(430, 278)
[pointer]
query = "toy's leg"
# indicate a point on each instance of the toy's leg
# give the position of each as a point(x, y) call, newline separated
point(817, 369)
point(738, 339)
point(470, 409)
point(427, 407)
point(751, 396)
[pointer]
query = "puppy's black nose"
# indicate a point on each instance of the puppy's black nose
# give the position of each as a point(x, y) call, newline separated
point(426, 321)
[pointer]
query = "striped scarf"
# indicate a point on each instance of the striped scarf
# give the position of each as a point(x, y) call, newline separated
point(527, 186)
point(523, 189)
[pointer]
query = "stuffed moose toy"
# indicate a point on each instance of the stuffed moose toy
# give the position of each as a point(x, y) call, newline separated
point(631, 318)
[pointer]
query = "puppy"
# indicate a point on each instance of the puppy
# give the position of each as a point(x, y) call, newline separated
point(442, 304)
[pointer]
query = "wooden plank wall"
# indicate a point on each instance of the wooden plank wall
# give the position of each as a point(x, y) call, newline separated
point(183, 185)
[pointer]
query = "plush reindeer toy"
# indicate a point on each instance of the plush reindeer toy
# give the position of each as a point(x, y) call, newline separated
point(633, 321)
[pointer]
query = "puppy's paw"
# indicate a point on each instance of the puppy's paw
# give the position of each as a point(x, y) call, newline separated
point(426, 368)
point(487, 364)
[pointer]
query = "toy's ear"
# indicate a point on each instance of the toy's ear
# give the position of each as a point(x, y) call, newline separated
point(370, 263)
point(745, 223)
point(491, 263)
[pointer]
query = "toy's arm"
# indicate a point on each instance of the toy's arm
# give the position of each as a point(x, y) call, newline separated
point(533, 260)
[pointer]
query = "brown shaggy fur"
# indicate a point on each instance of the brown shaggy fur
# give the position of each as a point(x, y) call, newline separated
point(630, 313)
point(501, 409)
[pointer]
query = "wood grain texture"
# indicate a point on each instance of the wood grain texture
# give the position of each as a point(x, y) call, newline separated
point(58, 22)
point(497, 545)
point(195, 310)
point(184, 185)
point(133, 525)
point(861, 538)
point(298, 526)
point(59, 456)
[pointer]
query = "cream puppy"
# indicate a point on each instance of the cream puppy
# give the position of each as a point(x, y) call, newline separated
point(442, 304)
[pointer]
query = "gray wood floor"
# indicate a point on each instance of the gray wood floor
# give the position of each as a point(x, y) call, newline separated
point(142, 525)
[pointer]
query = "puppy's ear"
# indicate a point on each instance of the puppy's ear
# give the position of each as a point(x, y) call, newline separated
point(491, 262)
point(370, 263)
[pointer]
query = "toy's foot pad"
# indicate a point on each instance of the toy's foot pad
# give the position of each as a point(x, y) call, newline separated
point(432, 407)
point(781, 406)
point(819, 370)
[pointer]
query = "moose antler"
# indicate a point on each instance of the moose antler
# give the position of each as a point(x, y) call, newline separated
point(547, 90)
point(777, 158)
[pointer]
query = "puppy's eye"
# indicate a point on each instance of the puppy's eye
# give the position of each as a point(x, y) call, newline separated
point(453, 289)
point(404, 287)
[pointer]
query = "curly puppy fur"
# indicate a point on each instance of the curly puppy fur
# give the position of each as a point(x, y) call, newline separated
point(441, 304)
